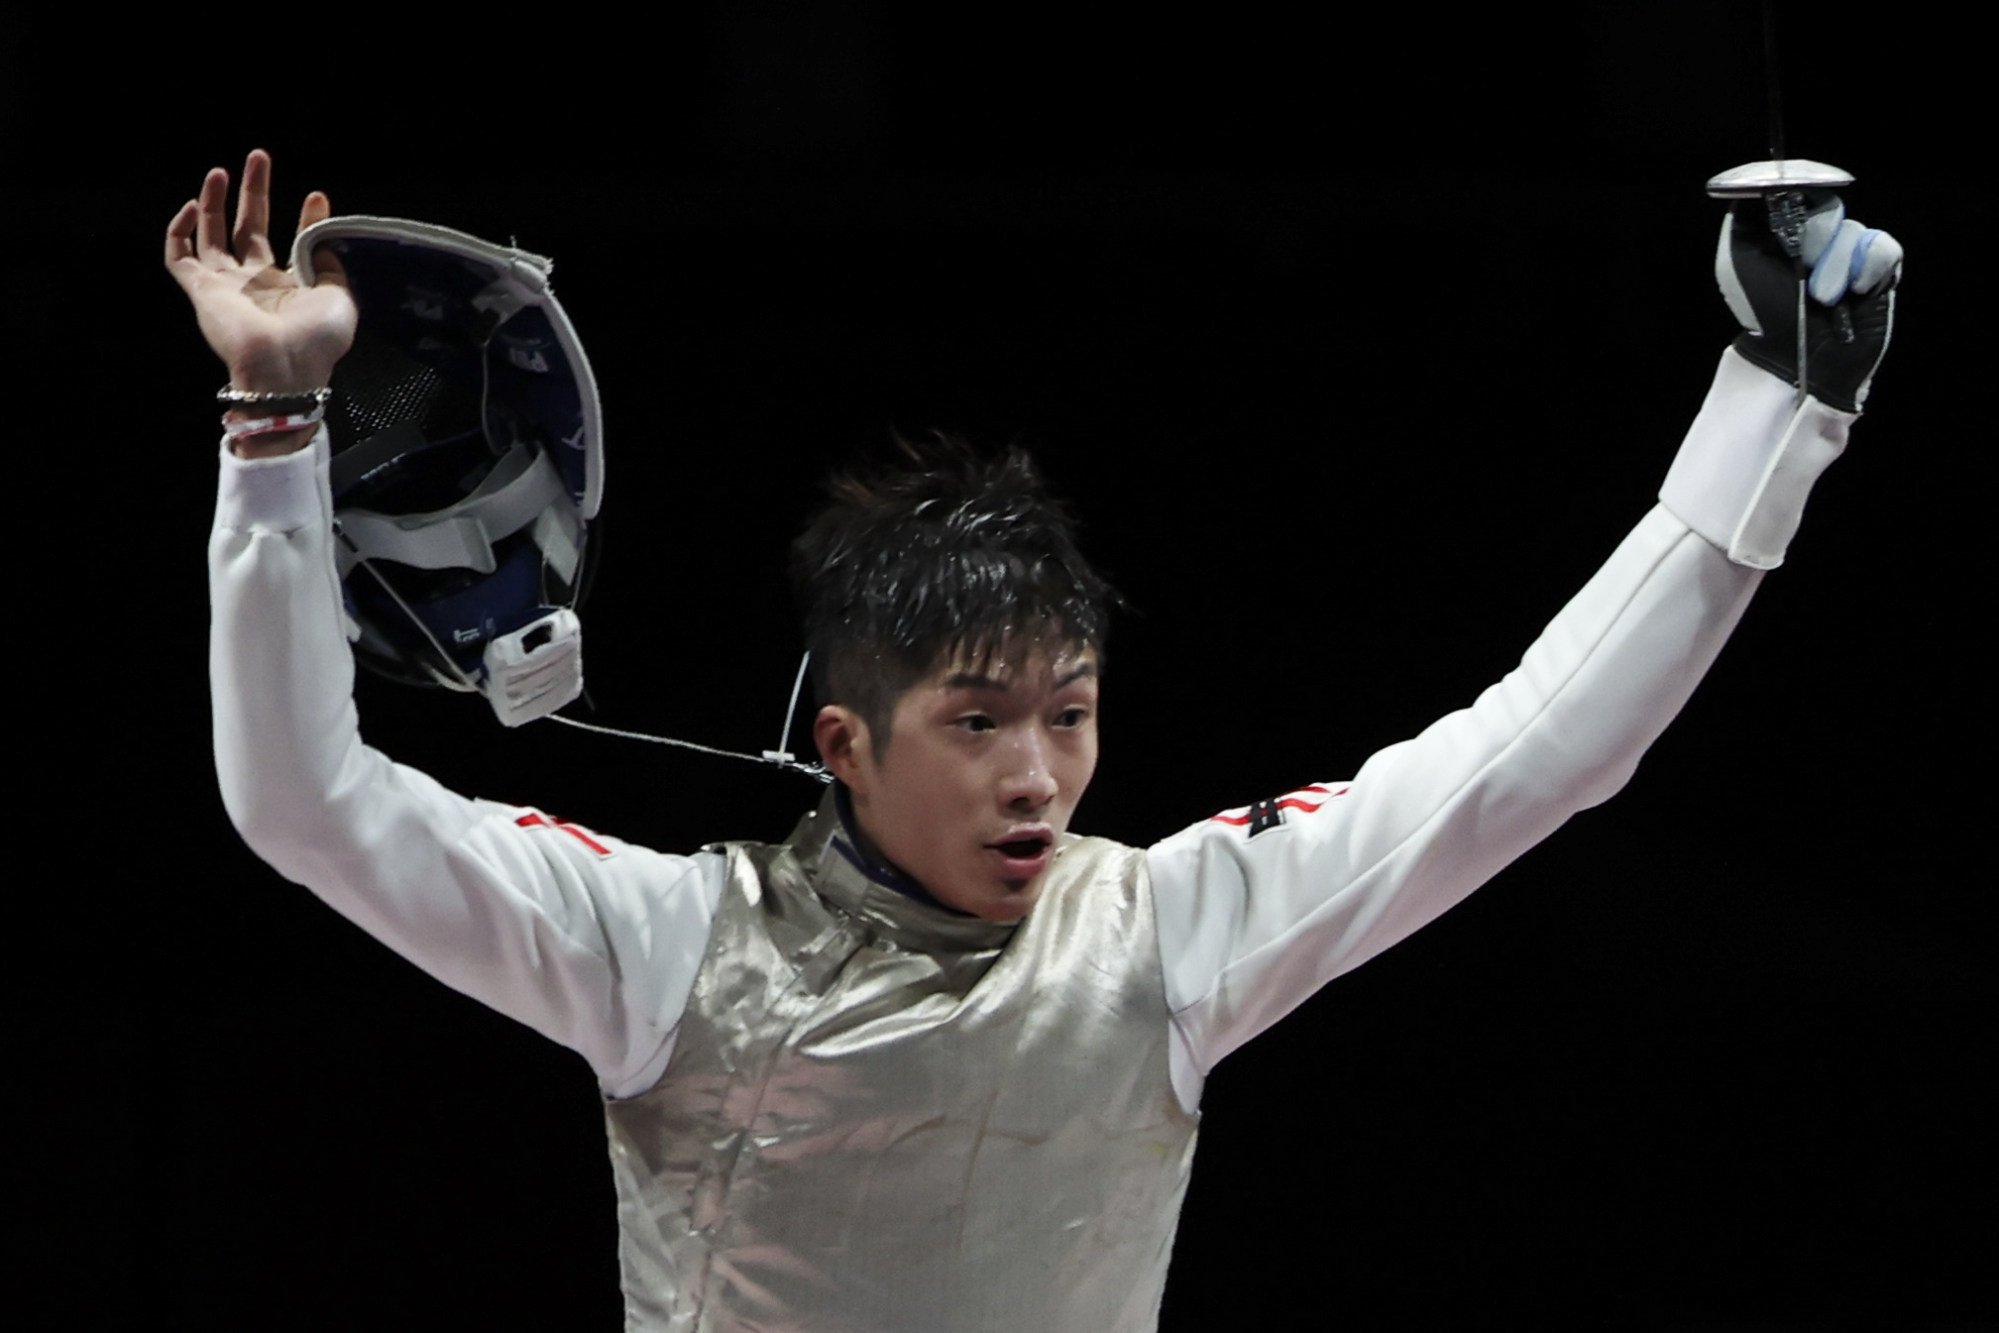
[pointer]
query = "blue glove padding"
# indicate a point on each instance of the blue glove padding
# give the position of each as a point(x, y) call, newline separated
point(1854, 273)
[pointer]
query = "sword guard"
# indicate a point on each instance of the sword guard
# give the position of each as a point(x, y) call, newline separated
point(1753, 180)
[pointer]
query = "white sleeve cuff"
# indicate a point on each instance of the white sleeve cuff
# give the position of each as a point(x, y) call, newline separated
point(279, 494)
point(1741, 478)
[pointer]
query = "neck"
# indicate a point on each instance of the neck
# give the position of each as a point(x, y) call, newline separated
point(861, 851)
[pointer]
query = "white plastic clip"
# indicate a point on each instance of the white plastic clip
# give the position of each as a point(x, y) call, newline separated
point(536, 669)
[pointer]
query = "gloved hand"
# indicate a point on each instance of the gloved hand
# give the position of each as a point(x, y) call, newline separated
point(1854, 273)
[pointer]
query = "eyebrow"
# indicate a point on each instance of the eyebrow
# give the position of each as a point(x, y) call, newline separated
point(977, 680)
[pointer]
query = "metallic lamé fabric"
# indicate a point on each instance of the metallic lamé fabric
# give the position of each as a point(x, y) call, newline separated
point(884, 1116)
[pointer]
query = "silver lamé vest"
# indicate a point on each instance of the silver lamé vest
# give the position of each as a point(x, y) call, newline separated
point(883, 1116)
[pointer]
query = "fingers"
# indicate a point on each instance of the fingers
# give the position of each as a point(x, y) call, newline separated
point(316, 208)
point(1822, 226)
point(197, 231)
point(180, 236)
point(1880, 263)
point(211, 222)
point(253, 209)
point(1858, 259)
point(326, 266)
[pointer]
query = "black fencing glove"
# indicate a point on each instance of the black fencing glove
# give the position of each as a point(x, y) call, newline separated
point(1854, 272)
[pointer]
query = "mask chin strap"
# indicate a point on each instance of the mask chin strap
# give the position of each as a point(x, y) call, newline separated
point(521, 491)
point(457, 680)
point(536, 668)
point(781, 757)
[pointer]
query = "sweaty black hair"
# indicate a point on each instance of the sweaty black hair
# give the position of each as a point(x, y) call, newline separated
point(942, 553)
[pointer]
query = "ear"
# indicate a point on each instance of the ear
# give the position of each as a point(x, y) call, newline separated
point(842, 737)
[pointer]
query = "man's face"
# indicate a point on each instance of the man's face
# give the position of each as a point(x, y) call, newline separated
point(982, 770)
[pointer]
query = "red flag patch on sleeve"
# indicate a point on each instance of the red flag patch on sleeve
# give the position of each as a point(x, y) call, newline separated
point(1268, 814)
point(535, 819)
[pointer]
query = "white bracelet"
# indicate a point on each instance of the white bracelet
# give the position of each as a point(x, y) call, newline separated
point(252, 427)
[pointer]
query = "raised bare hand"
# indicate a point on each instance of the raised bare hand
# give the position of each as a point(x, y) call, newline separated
point(275, 334)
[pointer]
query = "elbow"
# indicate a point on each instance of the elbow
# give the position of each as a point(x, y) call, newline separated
point(276, 824)
point(1605, 780)
point(285, 788)
point(1571, 774)
point(289, 807)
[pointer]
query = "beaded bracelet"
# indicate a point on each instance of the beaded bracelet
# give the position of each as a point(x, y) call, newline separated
point(302, 400)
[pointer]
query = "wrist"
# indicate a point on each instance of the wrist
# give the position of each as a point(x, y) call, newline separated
point(272, 382)
point(259, 424)
point(274, 371)
point(1760, 352)
point(274, 445)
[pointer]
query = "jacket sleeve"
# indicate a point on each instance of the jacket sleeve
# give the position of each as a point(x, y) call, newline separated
point(586, 939)
point(1260, 907)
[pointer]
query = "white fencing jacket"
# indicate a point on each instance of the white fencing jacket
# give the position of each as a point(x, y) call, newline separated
point(595, 942)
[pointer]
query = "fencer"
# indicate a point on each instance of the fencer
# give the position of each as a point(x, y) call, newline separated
point(934, 1062)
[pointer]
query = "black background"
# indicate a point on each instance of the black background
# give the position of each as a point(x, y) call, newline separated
point(1358, 342)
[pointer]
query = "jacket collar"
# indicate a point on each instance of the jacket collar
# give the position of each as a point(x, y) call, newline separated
point(879, 896)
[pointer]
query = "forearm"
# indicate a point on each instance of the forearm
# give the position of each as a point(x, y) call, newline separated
point(591, 943)
point(1749, 463)
point(295, 777)
point(1252, 924)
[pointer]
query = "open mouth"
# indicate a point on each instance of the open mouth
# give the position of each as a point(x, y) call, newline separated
point(1022, 858)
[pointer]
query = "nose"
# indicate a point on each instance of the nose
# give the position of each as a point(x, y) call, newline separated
point(1029, 781)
